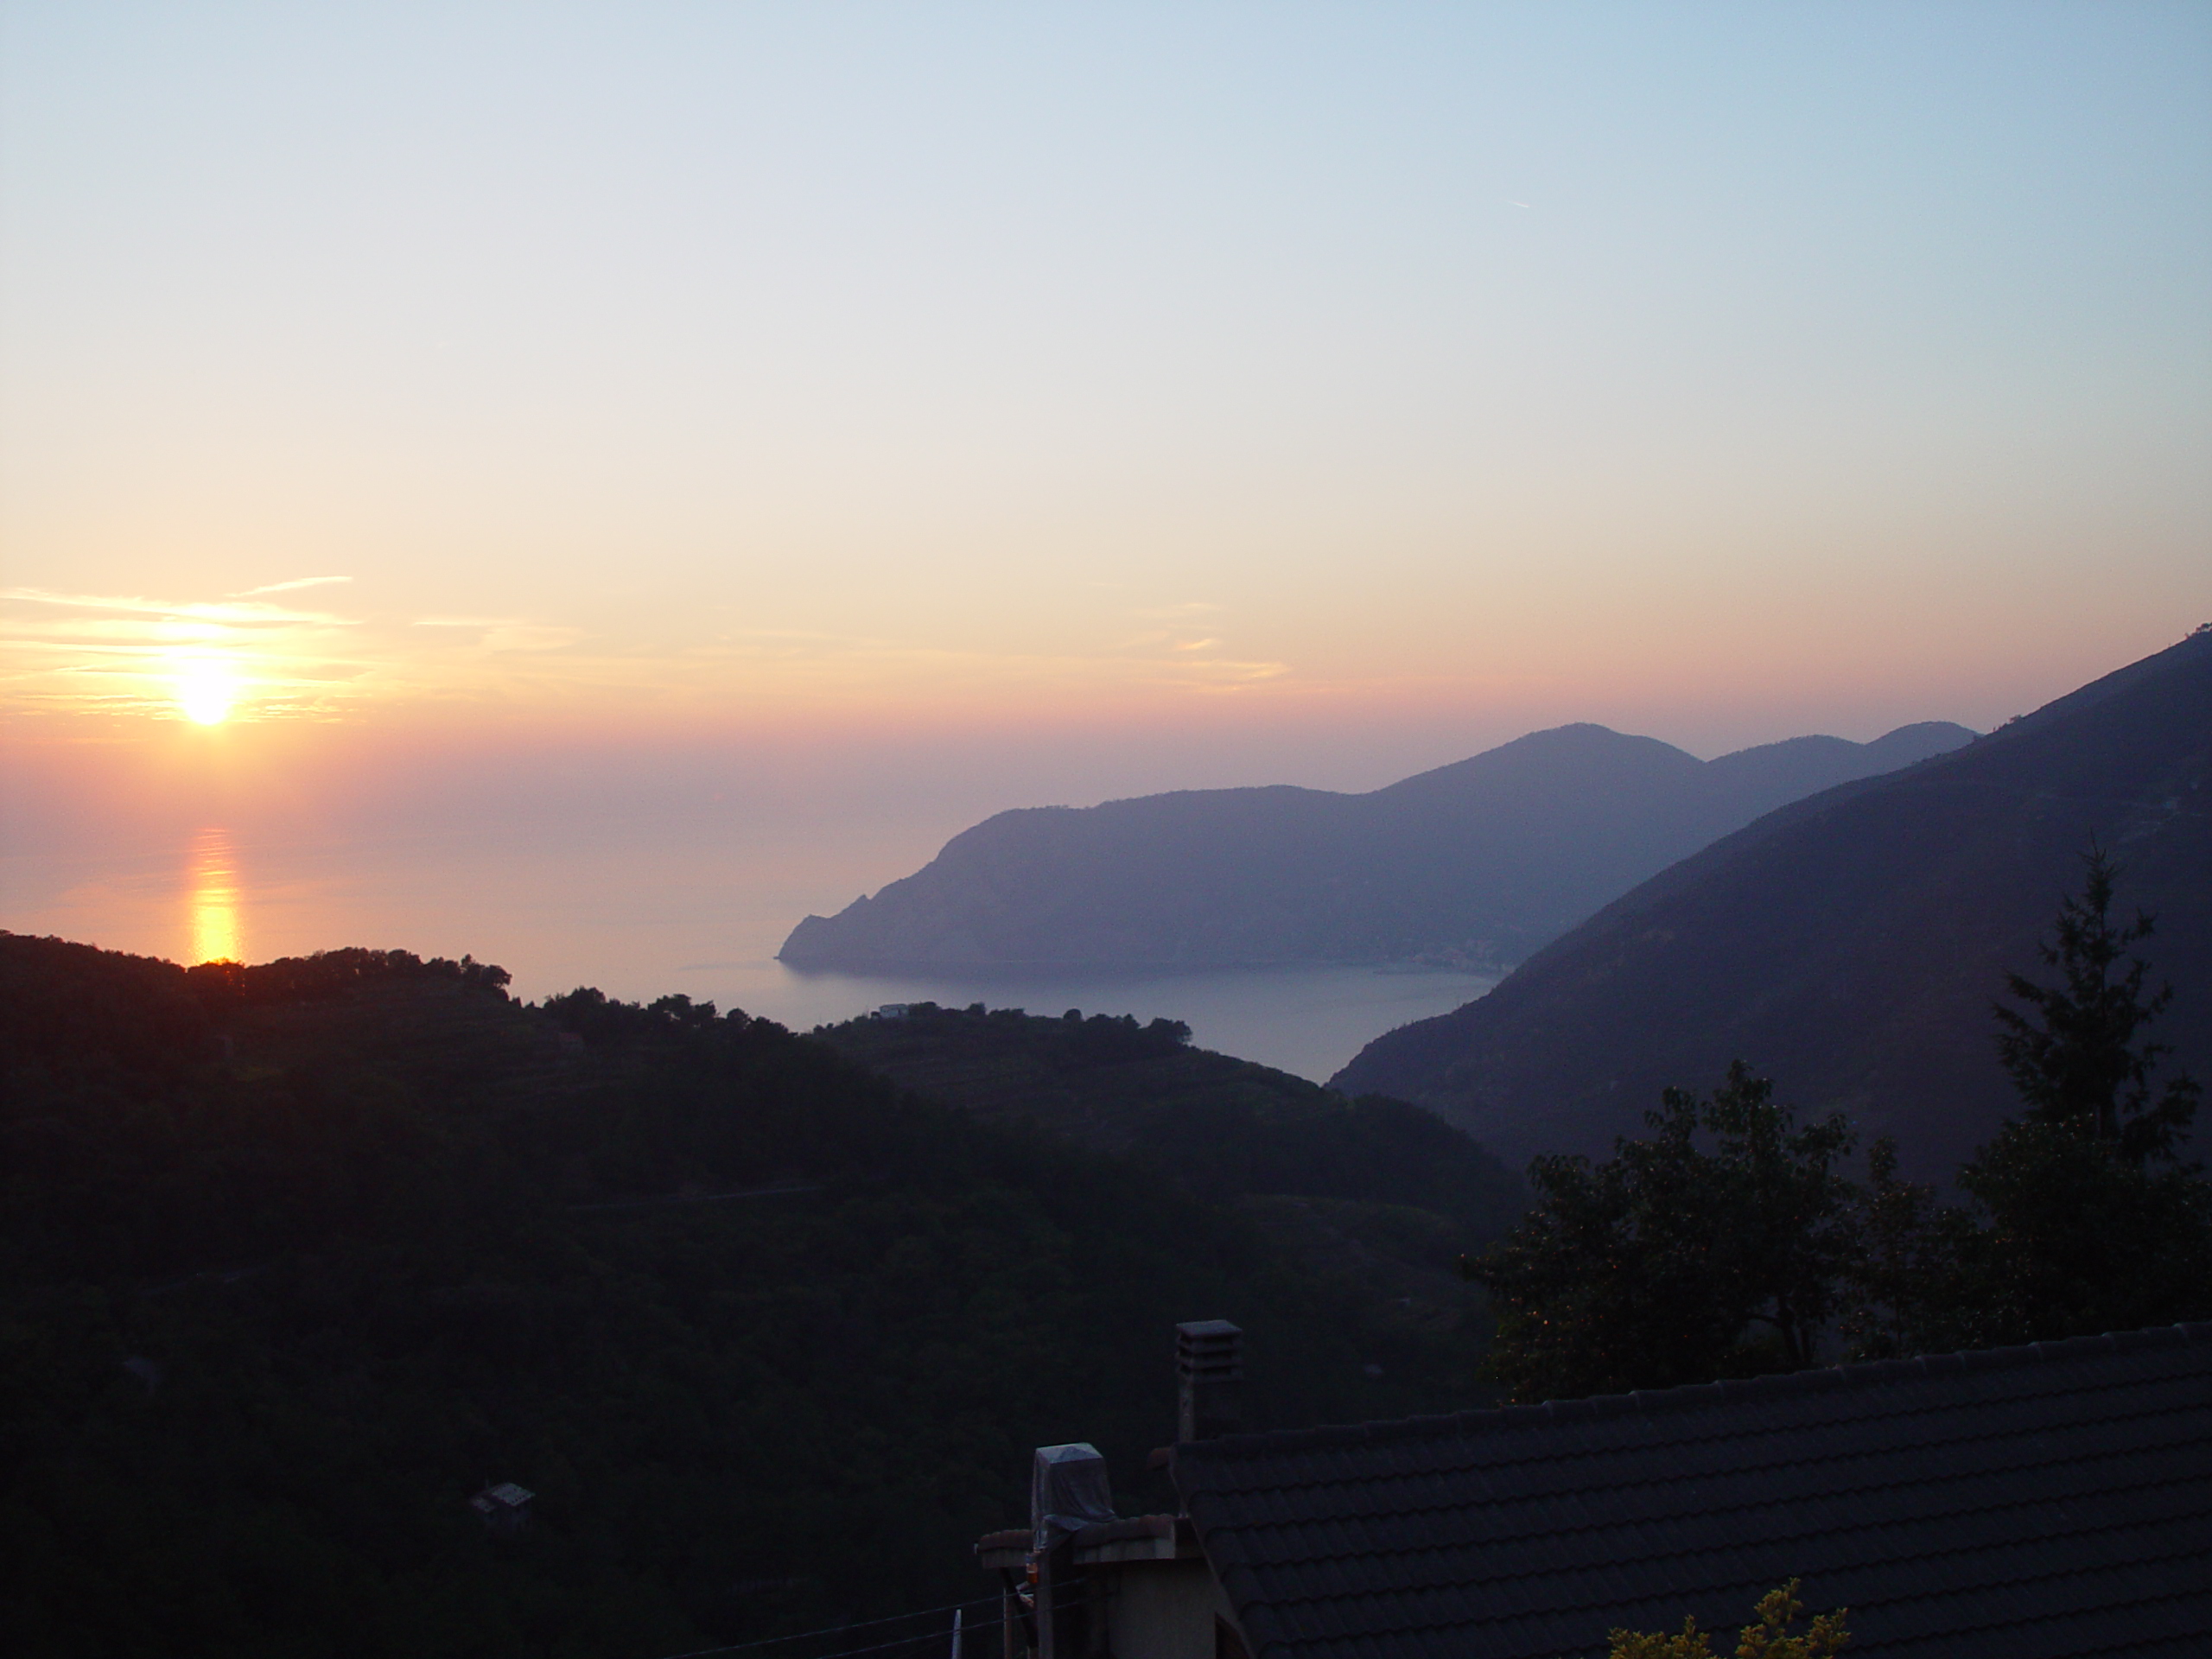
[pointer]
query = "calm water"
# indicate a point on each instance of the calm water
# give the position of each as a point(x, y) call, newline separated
point(639, 918)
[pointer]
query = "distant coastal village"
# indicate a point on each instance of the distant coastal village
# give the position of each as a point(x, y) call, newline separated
point(1824, 1203)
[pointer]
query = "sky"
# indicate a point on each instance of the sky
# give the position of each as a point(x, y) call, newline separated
point(968, 406)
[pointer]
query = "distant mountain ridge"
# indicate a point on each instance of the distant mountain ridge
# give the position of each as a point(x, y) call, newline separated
point(1851, 944)
point(1478, 862)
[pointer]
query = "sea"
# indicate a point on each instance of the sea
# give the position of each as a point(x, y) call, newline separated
point(641, 916)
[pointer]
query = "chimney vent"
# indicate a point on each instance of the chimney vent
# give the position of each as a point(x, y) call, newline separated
point(1210, 1379)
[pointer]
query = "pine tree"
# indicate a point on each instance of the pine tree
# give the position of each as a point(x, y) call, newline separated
point(2081, 1218)
point(2077, 1052)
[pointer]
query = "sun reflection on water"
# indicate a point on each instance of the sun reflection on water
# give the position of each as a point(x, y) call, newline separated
point(212, 898)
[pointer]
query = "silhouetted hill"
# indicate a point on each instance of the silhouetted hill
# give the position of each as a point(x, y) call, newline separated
point(295, 1258)
point(1478, 862)
point(1221, 1127)
point(1376, 1199)
point(1851, 944)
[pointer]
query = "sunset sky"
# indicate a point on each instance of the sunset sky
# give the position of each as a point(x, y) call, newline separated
point(1091, 398)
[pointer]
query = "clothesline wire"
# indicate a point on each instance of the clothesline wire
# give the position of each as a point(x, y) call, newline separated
point(840, 1629)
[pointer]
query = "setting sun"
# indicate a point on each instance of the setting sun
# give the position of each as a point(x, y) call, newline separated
point(206, 696)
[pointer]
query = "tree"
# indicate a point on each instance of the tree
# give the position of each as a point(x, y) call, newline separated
point(2069, 1238)
point(1905, 1244)
point(2060, 1237)
point(2077, 1053)
point(1670, 1263)
point(1770, 1638)
point(2079, 1219)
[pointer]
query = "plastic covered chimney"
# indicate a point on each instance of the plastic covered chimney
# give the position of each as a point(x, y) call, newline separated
point(1068, 1490)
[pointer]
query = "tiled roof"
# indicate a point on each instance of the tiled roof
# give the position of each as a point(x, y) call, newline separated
point(2020, 1503)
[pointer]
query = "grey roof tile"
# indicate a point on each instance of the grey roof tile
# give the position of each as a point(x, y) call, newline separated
point(2046, 1501)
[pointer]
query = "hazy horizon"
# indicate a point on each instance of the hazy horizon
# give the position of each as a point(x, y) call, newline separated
point(759, 848)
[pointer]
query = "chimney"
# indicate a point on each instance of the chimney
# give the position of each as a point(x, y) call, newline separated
point(1210, 1379)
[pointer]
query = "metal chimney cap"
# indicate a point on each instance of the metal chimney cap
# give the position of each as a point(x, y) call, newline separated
point(1209, 1350)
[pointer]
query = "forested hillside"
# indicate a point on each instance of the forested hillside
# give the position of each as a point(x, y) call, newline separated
point(1218, 1126)
point(1375, 1197)
point(295, 1259)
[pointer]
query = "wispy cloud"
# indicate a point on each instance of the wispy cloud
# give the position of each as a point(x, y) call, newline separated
point(132, 653)
point(1159, 659)
point(235, 612)
point(508, 632)
point(288, 587)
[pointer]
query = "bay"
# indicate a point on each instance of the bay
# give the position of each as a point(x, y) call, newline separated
point(640, 915)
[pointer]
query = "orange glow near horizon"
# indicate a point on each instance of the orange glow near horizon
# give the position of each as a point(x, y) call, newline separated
point(266, 662)
point(212, 898)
